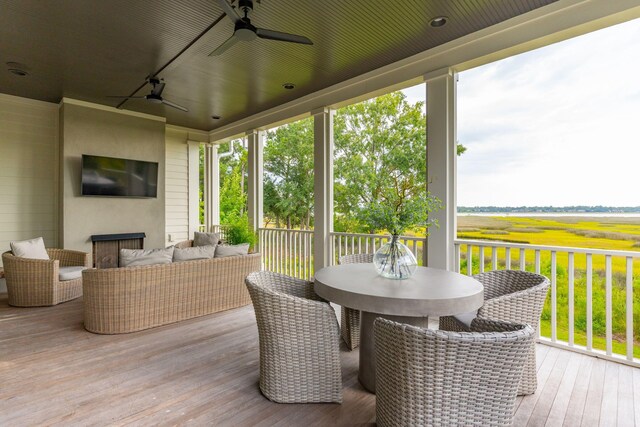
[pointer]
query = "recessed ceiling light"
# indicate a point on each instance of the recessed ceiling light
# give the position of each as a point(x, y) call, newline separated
point(214, 117)
point(438, 21)
point(288, 86)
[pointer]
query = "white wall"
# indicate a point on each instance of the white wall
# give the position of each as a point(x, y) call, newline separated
point(177, 187)
point(182, 182)
point(112, 133)
point(28, 171)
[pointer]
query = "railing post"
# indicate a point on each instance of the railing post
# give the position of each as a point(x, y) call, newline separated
point(255, 142)
point(441, 165)
point(322, 186)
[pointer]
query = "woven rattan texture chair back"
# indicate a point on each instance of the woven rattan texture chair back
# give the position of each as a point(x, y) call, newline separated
point(35, 282)
point(511, 296)
point(349, 317)
point(441, 378)
point(299, 340)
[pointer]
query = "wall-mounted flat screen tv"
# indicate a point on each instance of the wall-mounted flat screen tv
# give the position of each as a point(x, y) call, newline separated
point(108, 176)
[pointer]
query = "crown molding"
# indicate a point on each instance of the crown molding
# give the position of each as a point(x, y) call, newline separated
point(87, 104)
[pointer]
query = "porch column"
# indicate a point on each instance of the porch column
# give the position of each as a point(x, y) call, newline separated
point(194, 186)
point(322, 186)
point(441, 165)
point(211, 186)
point(255, 161)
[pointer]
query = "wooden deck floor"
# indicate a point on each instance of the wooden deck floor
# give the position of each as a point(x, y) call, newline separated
point(205, 371)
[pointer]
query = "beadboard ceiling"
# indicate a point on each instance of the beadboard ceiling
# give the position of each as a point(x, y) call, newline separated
point(88, 49)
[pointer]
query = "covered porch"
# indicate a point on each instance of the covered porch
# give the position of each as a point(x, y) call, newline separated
point(204, 371)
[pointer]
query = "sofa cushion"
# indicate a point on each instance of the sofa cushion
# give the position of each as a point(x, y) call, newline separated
point(205, 239)
point(232, 250)
point(135, 257)
point(33, 249)
point(70, 273)
point(196, 252)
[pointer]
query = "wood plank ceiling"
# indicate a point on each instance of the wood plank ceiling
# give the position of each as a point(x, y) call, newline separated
point(88, 49)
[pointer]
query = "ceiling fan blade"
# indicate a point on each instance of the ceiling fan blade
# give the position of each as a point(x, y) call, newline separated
point(229, 11)
point(125, 97)
point(225, 46)
point(283, 37)
point(158, 88)
point(171, 104)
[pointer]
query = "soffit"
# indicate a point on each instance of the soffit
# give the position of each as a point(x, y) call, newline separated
point(90, 49)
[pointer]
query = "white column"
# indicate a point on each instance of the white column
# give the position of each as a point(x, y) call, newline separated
point(441, 165)
point(255, 143)
point(194, 186)
point(211, 187)
point(322, 186)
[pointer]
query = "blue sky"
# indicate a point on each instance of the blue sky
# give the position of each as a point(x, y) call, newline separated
point(555, 126)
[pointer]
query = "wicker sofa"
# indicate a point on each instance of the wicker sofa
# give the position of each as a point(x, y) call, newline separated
point(129, 299)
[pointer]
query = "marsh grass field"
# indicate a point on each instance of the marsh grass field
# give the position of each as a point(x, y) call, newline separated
point(612, 233)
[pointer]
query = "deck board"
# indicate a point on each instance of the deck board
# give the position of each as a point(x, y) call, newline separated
point(205, 372)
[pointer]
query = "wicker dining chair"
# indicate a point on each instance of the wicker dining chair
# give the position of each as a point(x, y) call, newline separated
point(349, 317)
point(36, 282)
point(299, 340)
point(511, 296)
point(443, 378)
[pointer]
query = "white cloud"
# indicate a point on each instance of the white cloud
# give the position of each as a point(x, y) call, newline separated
point(556, 126)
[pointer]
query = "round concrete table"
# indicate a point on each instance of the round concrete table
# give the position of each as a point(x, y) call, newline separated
point(429, 292)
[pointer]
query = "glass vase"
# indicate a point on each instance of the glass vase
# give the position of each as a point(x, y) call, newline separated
point(394, 260)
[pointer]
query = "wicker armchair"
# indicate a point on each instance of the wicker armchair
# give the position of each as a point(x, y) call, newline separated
point(441, 378)
point(511, 296)
point(35, 282)
point(349, 317)
point(299, 340)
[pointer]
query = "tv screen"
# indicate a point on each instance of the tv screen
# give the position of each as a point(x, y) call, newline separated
point(108, 176)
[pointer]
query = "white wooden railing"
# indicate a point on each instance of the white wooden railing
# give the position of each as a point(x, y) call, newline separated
point(573, 272)
point(353, 243)
point(287, 251)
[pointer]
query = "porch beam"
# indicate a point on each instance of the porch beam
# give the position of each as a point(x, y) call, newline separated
point(441, 165)
point(322, 186)
point(255, 160)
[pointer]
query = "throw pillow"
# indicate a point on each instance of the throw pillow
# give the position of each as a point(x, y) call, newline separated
point(135, 257)
point(33, 249)
point(196, 252)
point(205, 239)
point(232, 250)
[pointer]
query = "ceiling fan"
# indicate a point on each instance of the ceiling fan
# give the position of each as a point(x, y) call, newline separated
point(156, 95)
point(245, 31)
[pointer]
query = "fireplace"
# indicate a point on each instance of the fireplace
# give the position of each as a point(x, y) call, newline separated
point(106, 247)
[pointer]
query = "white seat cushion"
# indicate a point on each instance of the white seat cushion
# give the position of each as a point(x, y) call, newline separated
point(466, 318)
point(194, 253)
point(70, 273)
point(33, 249)
point(137, 257)
point(232, 250)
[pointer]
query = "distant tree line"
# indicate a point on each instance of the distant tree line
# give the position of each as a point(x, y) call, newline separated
point(549, 209)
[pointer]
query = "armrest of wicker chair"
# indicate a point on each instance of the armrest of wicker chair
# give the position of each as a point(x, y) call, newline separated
point(522, 306)
point(70, 258)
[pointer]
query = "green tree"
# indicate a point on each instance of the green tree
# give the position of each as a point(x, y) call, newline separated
point(288, 180)
point(233, 183)
point(380, 147)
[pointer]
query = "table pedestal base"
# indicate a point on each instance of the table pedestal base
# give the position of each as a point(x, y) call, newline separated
point(367, 370)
